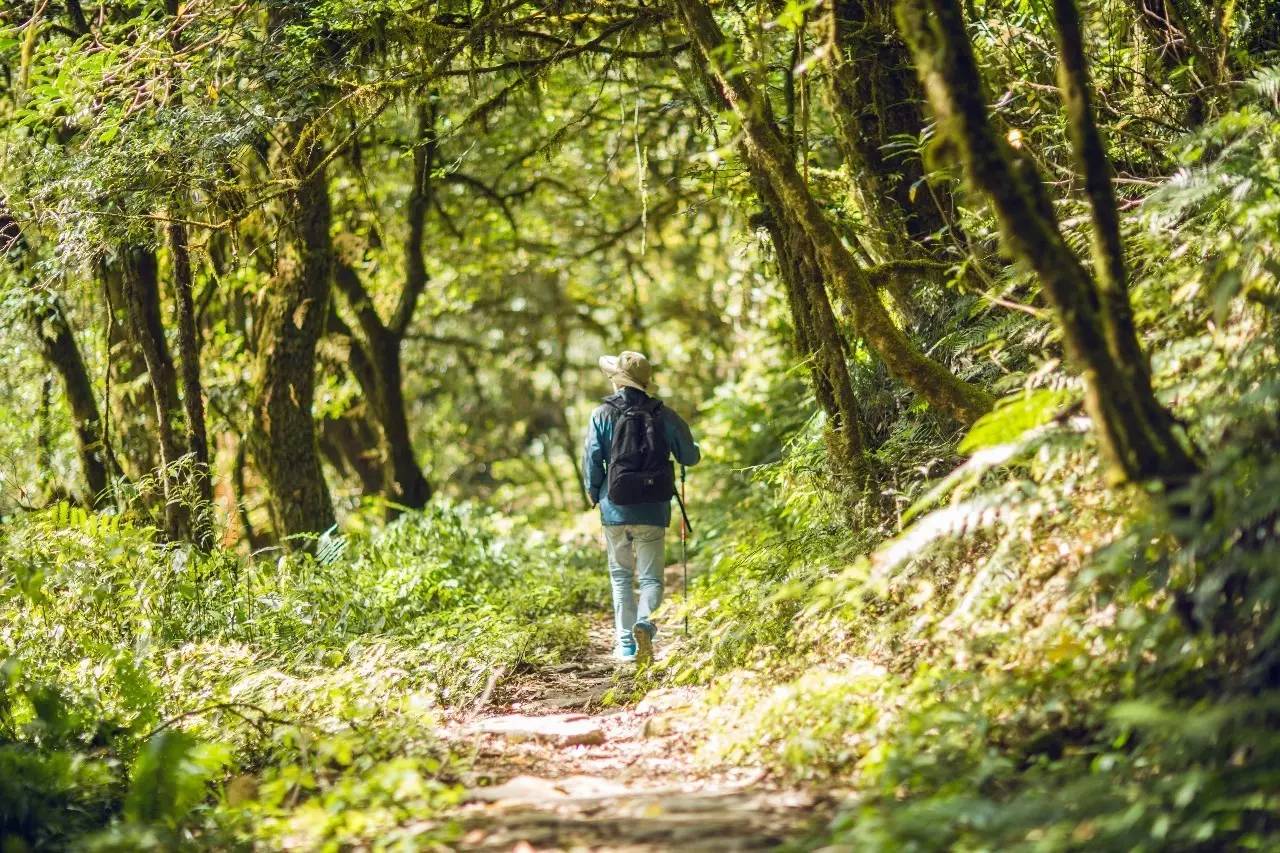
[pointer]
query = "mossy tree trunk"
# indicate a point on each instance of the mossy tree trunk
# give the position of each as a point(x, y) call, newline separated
point(905, 361)
point(818, 340)
point(284, 437)
point(876, 101)
point(58, 347)
point(127, 403)
point(1137, 433)
point(200, 473)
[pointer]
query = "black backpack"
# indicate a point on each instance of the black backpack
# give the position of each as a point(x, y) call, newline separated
point(640, 468)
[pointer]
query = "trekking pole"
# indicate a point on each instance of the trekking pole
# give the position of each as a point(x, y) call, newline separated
point(684, 551)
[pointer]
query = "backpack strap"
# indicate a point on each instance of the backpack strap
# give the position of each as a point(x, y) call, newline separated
point(619, 403)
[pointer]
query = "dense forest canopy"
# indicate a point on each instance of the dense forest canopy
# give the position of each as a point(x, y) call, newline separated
point(971, 305)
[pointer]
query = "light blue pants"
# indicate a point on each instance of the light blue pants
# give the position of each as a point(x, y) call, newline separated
point(635, 550)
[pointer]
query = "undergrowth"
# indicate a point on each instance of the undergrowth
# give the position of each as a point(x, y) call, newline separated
point(1016, 654)
point(302, 690)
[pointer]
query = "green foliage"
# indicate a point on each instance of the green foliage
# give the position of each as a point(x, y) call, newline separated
point(50, 796)
point(992, 652)
point(170, 776)
point(239, 700)
point(1028, 659)
point(1012, 417)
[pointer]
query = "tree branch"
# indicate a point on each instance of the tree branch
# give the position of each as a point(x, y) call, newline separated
point(490, 193)
point(420, 195)
point(903, 358)
point(348, 282)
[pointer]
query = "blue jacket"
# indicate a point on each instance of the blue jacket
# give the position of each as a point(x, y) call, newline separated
point(595, 459)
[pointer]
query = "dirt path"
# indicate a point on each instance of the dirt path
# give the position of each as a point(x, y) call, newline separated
point(553, 770)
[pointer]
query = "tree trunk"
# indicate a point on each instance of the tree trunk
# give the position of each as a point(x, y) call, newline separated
point(284, 440)
point(876, 97)
point(412, 488)
point(192, 388)
point(58, 347)
point(78, 21)
point(409, 486)
point(817, 337)
point(350, 443)
point(1136, 432)
point(197, 438)
point(239, 491)
point(44, 435)
point(381, 343)
point(382, 381)
point(905, 361)
point(1107, 247)
point(142, 307)
point(818, 340)
point(127, 402)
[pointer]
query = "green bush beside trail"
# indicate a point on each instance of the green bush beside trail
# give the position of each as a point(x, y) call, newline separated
point(154, 696)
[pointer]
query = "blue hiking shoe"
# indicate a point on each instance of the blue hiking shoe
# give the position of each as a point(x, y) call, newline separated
point(643, 634)
point(625, 652)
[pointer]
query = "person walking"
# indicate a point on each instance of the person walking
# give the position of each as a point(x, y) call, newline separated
point(627, 471)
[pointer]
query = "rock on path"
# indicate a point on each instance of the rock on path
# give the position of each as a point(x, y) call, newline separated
point(554, 729)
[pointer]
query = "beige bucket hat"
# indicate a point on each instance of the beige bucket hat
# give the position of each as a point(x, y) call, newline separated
point(627, 368)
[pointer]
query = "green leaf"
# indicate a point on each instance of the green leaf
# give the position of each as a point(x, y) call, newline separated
point(170, 777)
point(1013, 416)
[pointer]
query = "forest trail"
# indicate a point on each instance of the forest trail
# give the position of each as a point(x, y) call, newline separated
point(553, 769)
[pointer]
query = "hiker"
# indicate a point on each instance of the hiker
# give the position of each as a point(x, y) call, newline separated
point(627, 470)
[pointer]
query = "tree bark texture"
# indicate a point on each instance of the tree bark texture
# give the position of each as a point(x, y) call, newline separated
point(807, 300)
point(142, 307)
point(197, 437)
point(875, 98)
point(1091, 156)
point(818, 340)
point(200, 497)
point(905, 361)
point(284, 439)
point(59, 348)
point(128, 402)
point(1136, 432)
